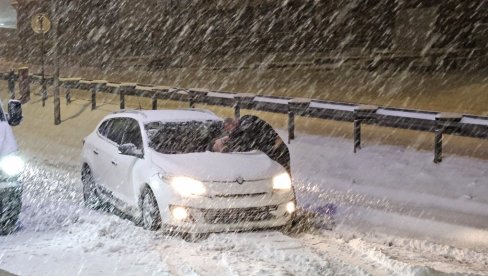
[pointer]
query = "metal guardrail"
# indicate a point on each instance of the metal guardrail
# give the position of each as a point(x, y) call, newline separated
point(429, 121)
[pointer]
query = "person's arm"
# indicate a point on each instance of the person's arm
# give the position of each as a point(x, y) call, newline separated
point(219, 144)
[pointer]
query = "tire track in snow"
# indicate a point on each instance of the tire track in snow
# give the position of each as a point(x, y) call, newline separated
point(221, 254)
point(183, 258)
point(263, 253)
point(397, 267)
point(339, 250)
point(416, 253)
point(272, 252)
point(387, 255)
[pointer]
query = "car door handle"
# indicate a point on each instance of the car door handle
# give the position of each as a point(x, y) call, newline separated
point(95, 152)
point(114, 162)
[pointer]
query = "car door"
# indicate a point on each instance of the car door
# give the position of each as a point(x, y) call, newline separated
point(96, 150)
point(108, 152)
point(122, 165)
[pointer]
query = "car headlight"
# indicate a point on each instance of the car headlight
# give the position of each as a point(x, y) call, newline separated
point(187, 186)
point(282, 182)
point(11, 165)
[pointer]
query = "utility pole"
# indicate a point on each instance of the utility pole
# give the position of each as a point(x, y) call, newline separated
point(43, 78)
point(41, 24)
point(57, 102)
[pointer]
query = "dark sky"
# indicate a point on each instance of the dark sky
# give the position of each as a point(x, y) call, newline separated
point(7, 14)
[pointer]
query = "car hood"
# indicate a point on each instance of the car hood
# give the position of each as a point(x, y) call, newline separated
point(214, 166)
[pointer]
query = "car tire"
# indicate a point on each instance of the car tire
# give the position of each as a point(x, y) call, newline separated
point(8, 226)
point(90, 193)
point(10, 207)
point(150, 214)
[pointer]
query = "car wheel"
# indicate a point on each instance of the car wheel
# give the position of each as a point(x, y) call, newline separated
point(8, 226)
point(10, 206)
point(90, 193)
point(151, 218)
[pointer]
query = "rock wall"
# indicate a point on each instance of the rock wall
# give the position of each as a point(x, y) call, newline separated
point(7, 41)
point(213, 33)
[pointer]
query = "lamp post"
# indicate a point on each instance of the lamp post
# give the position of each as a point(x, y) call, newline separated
point(41, 24)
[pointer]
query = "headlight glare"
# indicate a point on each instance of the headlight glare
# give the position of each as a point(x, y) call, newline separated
point(291, 207)
point(187, 186)
point(282, 182)
point(179, 213)
point(11, 165)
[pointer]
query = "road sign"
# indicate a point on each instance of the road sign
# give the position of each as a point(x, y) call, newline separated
point(40, 23)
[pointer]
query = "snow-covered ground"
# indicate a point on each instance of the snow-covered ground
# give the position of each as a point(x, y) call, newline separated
point(394, 188)
point(398, 213)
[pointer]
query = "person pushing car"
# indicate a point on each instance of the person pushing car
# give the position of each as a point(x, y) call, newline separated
point(252, 133)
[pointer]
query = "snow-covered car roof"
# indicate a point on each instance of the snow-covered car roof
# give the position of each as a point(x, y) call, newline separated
point(169, 115)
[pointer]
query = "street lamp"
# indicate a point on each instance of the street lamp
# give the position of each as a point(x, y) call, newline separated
point(41, 24)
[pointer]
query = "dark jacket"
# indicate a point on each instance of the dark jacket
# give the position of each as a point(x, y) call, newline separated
point(252, 133)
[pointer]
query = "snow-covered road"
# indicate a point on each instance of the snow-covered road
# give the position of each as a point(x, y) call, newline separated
point(398, 214)
point(59, 236)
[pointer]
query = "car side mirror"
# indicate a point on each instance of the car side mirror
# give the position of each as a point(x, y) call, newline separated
point(130, 149)
point(14, 112)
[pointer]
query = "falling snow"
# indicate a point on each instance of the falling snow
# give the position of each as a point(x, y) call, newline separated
point(385, 210)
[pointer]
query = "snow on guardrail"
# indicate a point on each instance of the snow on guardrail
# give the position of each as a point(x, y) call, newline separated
point(461, 125)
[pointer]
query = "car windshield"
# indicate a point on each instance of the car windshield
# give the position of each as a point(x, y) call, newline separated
point(182, 137)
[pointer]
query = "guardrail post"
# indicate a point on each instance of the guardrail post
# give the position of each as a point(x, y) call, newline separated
point(291, 125)
point(125, 88)
point(244, 100)
point(362, 112)
point(445, 122)
point(24, 85)
point(357, 134)
point(11, 83)
point(93, 90)
point(121, 99)
point(68, 95)
point(237, 110)
point(159, 91)
point(96, 85)
point(68, 84)
point(85, 84)
point(154, 102)
point(297, 106)
point(438, 145)
point(197, 94)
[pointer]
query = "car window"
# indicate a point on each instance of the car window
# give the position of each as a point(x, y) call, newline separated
point(103, 129)
point(132, 133)
point(182, 137)
point(116, 130)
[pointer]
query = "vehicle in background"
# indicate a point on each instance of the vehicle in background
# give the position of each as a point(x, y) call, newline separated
point(11, 166)
point(156, 166)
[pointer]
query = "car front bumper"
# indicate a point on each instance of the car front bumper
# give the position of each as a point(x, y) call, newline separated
point(8, 184)
point(208, 215)
point(10, 198)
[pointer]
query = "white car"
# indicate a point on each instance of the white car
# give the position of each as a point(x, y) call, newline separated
point(156, 167)
point(11, 166)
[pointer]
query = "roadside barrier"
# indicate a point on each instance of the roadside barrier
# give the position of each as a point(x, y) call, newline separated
point(439, 123)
